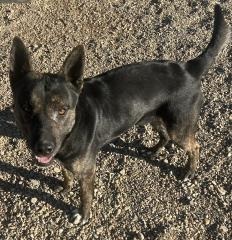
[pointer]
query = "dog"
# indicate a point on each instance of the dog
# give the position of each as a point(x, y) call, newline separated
point(68, 118)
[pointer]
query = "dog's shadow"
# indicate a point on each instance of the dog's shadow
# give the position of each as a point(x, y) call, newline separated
point(7, 124)
point(21, 189)
point(134, 150)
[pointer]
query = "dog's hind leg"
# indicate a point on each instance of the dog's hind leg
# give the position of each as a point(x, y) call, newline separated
point(185, 138)
point(192, 149)
point(160, 127)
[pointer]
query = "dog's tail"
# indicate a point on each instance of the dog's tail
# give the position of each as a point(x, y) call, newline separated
point(221, 35)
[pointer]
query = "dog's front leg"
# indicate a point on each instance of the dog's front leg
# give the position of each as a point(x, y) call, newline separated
point(86, 194)
point(67, 183)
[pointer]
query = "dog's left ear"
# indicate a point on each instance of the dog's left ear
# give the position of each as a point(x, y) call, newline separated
point(73, 67)
point(20, 63)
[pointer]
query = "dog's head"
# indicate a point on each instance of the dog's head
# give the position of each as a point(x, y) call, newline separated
point(45, 104)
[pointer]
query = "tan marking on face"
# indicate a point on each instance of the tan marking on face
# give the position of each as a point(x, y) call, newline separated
point(56, 99)
point(36, 103)
point(173, 135)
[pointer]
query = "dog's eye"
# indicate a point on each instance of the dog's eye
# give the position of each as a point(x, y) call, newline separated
point(62, 111)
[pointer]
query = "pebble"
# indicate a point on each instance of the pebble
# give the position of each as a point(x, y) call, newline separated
point(127, 208)
point(99, 230)
point(118, 212)
point(207, 221)
point(221, 190)
point(214, 183)
point(140, 236)
point(57, 170)
point(122, 172)
point(165, 160)
point(189, 184)
point(34, 183)
point(34, 200)
point(223, 229)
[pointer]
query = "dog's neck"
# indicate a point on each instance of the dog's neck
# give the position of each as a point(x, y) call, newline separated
point(80, 136)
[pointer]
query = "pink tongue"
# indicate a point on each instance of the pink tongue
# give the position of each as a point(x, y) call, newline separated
point(43, 159)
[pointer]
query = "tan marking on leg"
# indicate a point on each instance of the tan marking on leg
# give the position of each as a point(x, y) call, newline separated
point(68, 180)
point(193, 150)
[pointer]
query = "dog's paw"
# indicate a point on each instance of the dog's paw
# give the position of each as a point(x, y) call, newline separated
point(77, 219)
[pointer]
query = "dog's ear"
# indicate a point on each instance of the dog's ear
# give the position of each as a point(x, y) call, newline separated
point(73, 67)
point(20, 62)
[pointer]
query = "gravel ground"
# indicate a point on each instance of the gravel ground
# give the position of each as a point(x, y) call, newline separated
point(135, 198)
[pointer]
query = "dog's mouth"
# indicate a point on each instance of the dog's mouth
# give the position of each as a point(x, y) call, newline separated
point(44, 160)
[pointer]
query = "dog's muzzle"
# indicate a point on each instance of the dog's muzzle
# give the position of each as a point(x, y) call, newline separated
point(44, 152)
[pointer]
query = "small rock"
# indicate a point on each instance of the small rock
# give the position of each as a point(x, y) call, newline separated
point(34, 183)
point(95, 191)
point(99, 230)
point(57, 170)
point(122, 172)
point(207, 221)
point(214, 183)
point(140, 236)
point(118, 212)
point(34, 200)
point(223, 229)
point(189, 184)
point(191, 202)
point(221, 190)
point(166, 160)
point(127, 208)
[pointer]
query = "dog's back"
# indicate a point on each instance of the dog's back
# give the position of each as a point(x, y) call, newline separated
point(129, 93)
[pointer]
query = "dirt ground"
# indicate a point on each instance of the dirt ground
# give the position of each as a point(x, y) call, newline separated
point(135, 197)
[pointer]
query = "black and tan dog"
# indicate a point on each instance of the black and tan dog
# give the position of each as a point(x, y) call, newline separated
point(67, 118)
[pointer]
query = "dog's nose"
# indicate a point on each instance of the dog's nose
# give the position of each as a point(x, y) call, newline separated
point(46, 147)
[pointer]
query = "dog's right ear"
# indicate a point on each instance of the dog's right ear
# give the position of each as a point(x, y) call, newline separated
point(20, 63)
point(73, 67)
